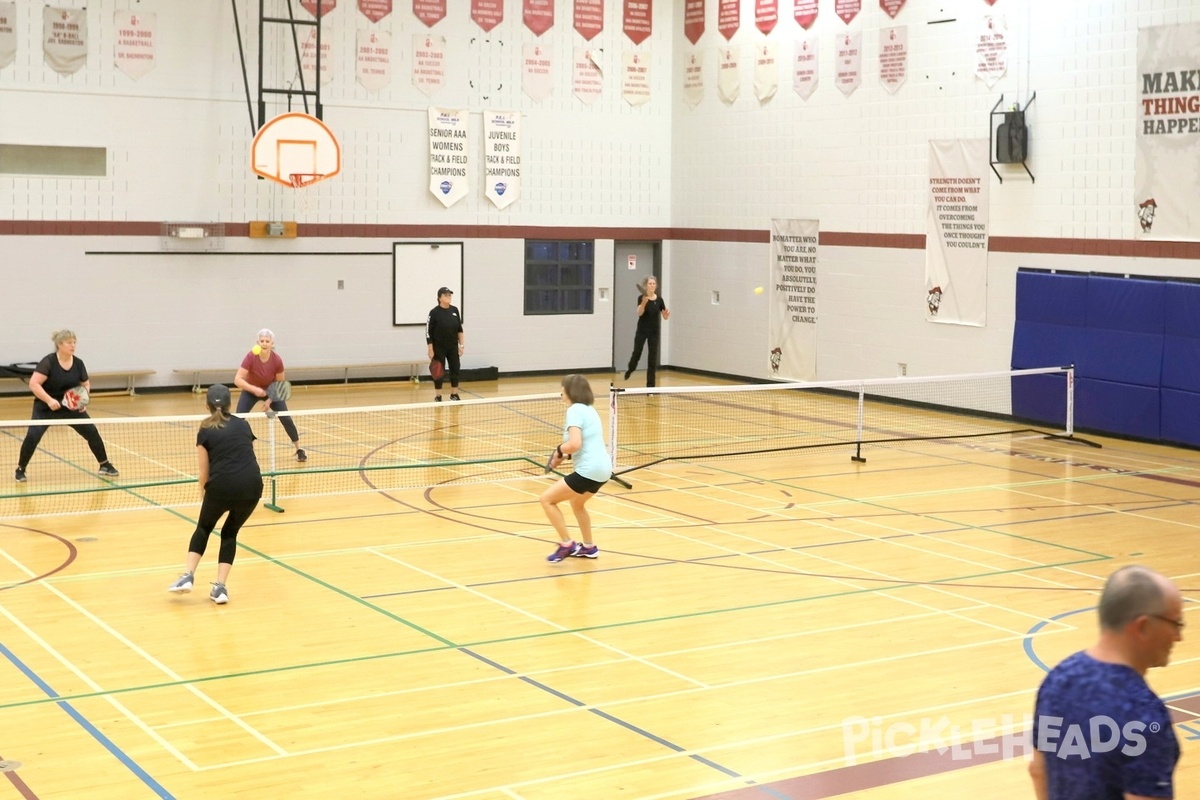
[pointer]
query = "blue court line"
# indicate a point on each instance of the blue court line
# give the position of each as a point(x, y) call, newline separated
point(1195, 734)
point(1033, 631)
point(108, 744)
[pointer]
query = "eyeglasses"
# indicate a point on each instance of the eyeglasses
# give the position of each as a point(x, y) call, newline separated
point(1179, 624)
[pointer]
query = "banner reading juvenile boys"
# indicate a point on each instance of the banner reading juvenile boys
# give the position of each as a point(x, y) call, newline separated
point(792, 328)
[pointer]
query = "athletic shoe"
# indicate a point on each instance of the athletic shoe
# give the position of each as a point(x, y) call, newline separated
point(301, 456)
point(218, 594)
point(564, 550)
point(584, 551)
point(455, 398)
point(19, 476)
point(437, 399)
point(628, 372)
point(184, 584)
point(108, 470)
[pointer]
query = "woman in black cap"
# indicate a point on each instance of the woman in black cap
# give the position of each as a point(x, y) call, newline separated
point(230, 481)
point(446, 340)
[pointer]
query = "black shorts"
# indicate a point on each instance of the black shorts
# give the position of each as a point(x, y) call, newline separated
point(582, 485)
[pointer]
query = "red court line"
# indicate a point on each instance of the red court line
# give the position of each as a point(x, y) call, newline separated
point(21, 786)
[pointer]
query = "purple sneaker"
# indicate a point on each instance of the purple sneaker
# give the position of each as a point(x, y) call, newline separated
point(563, 551)
point(584, 551)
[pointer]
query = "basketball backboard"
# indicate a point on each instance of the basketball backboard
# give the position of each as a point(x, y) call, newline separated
point(295, 144)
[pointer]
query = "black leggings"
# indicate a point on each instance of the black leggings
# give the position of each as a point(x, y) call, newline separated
point(239, 506)
point(34, 435)
point(247, 401)
point(451, 356)
point(639, 340)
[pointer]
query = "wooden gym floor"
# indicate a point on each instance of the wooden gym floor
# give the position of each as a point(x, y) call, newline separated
point(790, 626)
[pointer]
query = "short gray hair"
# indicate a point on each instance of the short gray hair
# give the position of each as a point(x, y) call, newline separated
point(267, 332)
point(65, 335)
point(1131, 592)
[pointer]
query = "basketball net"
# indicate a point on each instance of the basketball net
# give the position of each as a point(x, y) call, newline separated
point(301, 181)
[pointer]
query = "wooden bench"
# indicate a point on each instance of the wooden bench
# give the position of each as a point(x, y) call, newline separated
point(198, 378)
point(129, 376)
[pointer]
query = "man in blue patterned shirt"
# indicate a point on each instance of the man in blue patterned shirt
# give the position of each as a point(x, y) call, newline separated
point(1100, 732)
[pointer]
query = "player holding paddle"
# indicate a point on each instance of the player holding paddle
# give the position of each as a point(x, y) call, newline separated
point(651, 310)
point(261, 368)
point(56, 377)
point(583, 440)
point(446, 341)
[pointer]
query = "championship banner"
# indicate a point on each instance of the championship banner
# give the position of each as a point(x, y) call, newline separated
point(448, 156)
point(729, 17)
point(693, 77)
point(805, 70)
point(589, 75)
point(538, 15)
point(792, 326)
point(308, 59)
point(429, 63)
point(375, 10)
point(893, 57)
point(635, 78)
point(134, 52)
point(891, 7)
point(766, 14)
point(693, 20)
point(992, 50)
point(848, 62)
point(487, 14)
point(325, 6)
point(1166, 166)
point(502, 157)
point(956, 232)
point(8, 34)
point(537, 63)
point(729, 76)
point(638, 20)
point(766, 71)
point(847, 9)
point(374, 60)
point(430, 12)
point(805, 12)
point(589, 18)
point(64, 39)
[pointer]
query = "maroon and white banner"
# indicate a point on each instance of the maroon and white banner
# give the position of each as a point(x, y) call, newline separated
point(766, 71)
point(635, 77)
point(134, 51)
point(502, 157)
point(588, 75)
point(537, 70)
point(1166, 166)
point(429, 63)
point(375, 10)
point(956, 232)
point(325, 6)
point(538, 15)
point(847, 9)
point(992, 50)
point(430, 12)
point(693, 77)
point(589, 18)
point(891, 7)
point(729, 17)
point(792, 325)
point(64, 39)
point(693, 20)
point(729, 74)
point(8, 34)
point(449, 159)
point(638, 21)
point(893, 57)
point(373, 60)
point(806, 65)
point(990, 2)
point(805, 12)
point(766, 14)
point(848, 76)
point(308, 58)
point(487, 14)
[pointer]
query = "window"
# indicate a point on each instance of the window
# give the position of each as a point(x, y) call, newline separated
point(560, 277)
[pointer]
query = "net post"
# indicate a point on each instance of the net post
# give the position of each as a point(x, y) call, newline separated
point(858, 426)
point(1070, 429)
point(612, 435)
point(271, 505)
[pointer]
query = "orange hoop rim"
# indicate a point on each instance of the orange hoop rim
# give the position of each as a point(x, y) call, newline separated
point(302, 179)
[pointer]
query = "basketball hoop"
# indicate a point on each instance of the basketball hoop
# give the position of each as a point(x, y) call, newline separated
point(302, 180)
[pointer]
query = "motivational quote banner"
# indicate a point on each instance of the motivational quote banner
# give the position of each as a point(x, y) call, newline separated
point(956, 234)
point(792, 336)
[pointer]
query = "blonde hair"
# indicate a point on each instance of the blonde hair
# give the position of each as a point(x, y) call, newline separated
point(644, 282)
point(217, 416)
point(578, 389)
point(65, 335)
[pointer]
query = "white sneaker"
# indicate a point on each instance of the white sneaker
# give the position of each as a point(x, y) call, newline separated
point(184, 584)
point(218, 594)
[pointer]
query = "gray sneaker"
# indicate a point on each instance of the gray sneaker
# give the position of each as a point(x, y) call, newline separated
point(108, 470)
point(218, 594)
point(19, 476)
point(183, 584)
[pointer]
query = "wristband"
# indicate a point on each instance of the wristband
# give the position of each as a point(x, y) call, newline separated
point(558, 450)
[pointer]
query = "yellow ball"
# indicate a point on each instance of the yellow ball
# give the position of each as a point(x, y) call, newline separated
point(256, 349)
point(758, 290)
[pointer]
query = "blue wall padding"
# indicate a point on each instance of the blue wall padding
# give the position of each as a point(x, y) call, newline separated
point(1041, 344)
point(1121, 356)
point(1040, 398)
point(1117, 408)
point(1181, 363)
point(1125, 304)
point(1181, 310)
point(1180, 412)
point(1058, 299)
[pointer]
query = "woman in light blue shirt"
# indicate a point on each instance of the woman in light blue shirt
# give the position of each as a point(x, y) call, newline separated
point(583, 442)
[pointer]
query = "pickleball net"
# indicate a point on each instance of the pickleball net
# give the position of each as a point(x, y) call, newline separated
point(386, 448)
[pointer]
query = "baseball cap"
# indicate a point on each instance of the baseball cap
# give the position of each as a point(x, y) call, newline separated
point(444, 290)
point(218, 396)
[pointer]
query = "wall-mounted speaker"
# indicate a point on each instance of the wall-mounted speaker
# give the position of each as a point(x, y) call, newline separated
point(1012, 139)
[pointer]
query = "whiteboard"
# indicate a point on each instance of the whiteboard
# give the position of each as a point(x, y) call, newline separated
point(419, 269)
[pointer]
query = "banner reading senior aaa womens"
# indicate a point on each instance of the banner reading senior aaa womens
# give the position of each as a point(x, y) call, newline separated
point(448, 157)
point(1166, 166)
point(956, 232)
point(792, 329)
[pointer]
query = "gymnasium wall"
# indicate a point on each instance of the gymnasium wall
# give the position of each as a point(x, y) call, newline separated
point(708, 180)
